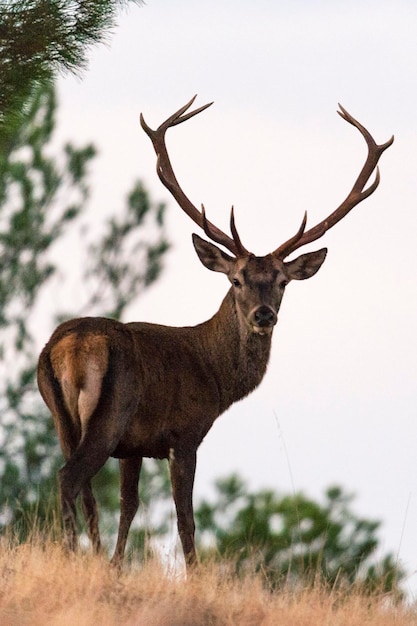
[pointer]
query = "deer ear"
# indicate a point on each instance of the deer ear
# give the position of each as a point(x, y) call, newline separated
point(211, 256)
point(305, 265)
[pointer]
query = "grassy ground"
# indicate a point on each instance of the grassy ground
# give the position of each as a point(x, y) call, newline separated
point(41, 585)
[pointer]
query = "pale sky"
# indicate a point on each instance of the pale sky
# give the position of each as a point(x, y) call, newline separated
point(338, 404)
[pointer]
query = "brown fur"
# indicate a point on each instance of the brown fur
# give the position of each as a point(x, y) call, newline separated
point(136, 390)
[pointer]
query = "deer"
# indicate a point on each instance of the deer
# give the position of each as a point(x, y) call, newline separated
point(137, 389)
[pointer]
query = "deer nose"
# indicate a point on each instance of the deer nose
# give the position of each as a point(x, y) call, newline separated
point(265, 316)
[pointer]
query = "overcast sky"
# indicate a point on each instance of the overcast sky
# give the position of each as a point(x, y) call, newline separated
point(338, 404)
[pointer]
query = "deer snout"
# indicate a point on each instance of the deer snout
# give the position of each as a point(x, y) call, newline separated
point(264, 318)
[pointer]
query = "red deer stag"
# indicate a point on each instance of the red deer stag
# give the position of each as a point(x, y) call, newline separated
point(143, 390)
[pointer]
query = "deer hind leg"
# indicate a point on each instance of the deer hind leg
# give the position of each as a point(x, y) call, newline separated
point(103, 414)
point(69, 439)
point(89, 507)
point(129, 502)
point(67, 426)
point(182, 469)
point(81, 390)
point(75, 478)
point(87, 401)
point(69, 436)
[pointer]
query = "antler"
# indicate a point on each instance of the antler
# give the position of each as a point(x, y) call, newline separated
point(168, 178)
point(357, 194)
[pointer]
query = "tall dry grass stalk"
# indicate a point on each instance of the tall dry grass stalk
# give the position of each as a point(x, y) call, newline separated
point(41, 585)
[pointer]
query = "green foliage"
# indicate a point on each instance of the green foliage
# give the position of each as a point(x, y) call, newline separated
point(40, 37)
point(121, 264)
point(39, 196)
point(294, 540)
point(43, 196)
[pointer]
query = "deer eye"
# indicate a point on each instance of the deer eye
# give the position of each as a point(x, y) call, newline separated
point(283, 283)
point(236, 282)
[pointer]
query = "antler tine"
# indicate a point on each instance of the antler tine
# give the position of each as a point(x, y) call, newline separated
point(356, 195)
point(166, 174)
point(284, 249)
point(241, 248)
point(374, 150)
point(175, 118)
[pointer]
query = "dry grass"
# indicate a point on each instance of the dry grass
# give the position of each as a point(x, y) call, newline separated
point(41, 585)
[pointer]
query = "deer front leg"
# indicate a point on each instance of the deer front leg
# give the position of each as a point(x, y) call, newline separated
point(182, 468)
point(129, 502)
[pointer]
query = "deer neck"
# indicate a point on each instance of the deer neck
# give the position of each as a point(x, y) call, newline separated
point(237, 356)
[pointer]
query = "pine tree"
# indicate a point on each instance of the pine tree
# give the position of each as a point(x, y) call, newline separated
point(39, 38)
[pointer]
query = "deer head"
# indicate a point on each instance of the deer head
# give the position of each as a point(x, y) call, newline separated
point(258, 283)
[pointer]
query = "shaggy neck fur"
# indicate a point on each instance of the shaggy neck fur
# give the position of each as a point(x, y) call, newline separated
point(238, 357)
